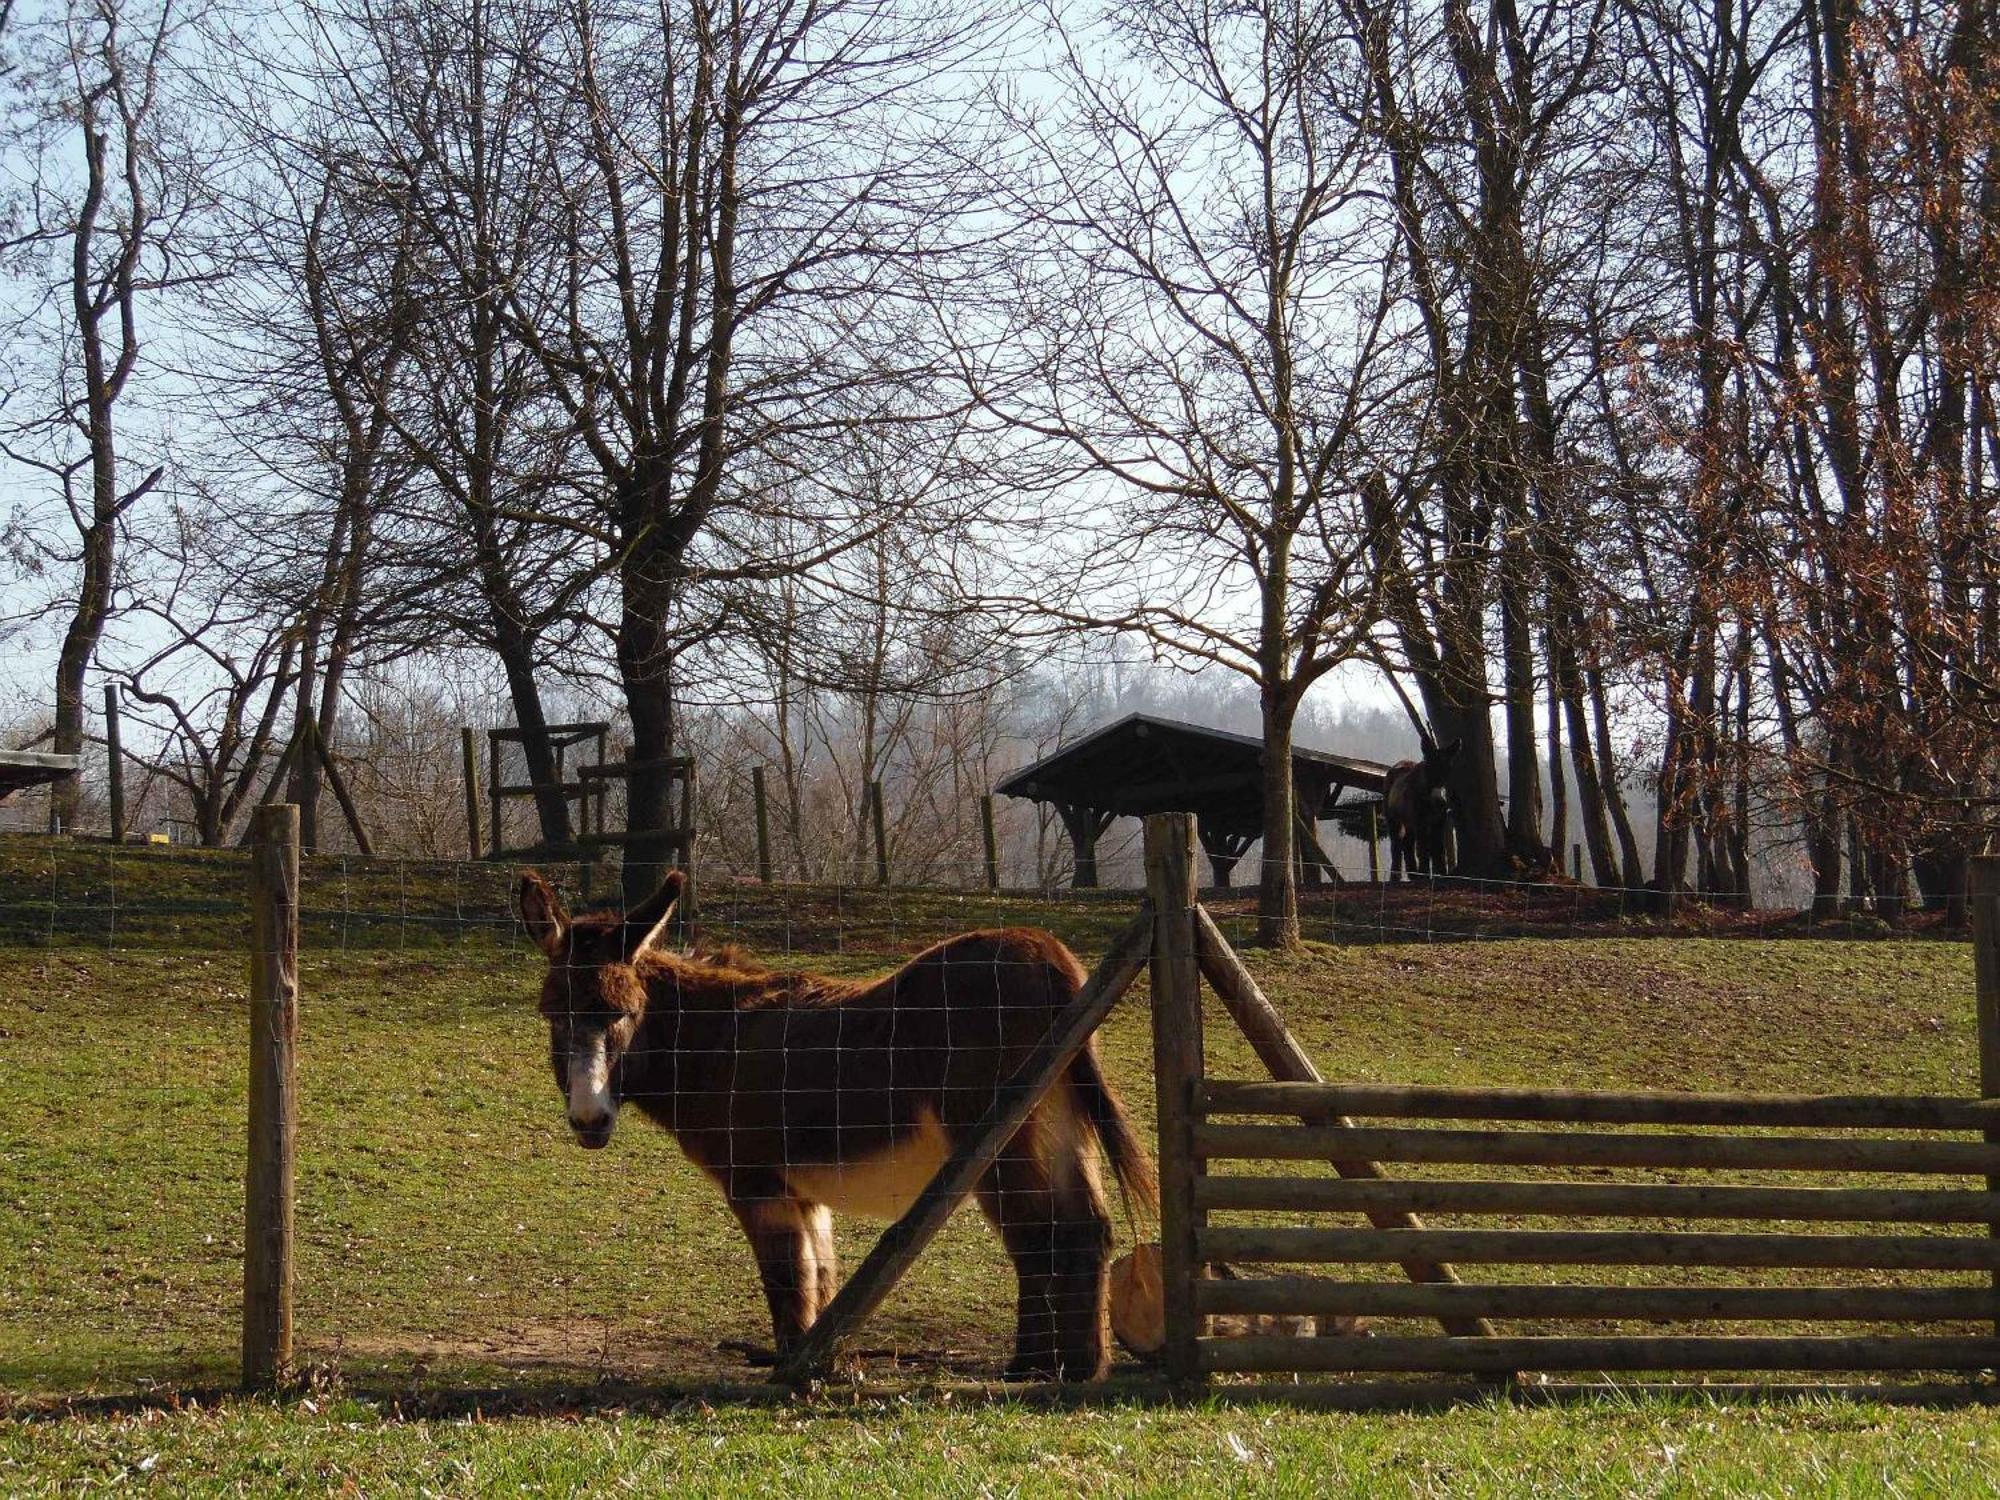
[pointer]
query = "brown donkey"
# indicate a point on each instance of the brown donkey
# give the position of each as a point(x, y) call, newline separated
point(803, 1096)
point(1417, 799)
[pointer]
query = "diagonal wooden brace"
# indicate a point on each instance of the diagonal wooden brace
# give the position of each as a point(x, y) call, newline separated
point(1288, 1063)
point(906, 1239)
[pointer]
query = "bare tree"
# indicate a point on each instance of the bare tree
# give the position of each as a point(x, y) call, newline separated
point(427, 121)
point(1206, 307)
point(738, 195)
point(214, 691)
point(116, 184)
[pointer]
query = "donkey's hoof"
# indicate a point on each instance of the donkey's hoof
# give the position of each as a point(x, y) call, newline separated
point(1032, 1367)
point(1055, 1367)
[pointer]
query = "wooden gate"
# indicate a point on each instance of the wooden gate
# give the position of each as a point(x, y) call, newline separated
point(1865, 1137)
point(1915, 1286)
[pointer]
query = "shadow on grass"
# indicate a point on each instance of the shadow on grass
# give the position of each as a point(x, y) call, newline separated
point(568, 1398)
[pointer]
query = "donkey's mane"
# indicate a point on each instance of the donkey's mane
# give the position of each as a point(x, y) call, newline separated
point(728, 978)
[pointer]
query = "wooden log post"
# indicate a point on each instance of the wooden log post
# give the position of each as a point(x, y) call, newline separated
point(274, 1018)
point(881, 835)
point(688, 907)
point(114, 755)
point(1177, 1071)
point(603, 784)
point(1576, 862)
point(1983, 880)
point(469, 756)
point(493, 830)
point(1374, 843)
point(763, 808)
point(992, 842)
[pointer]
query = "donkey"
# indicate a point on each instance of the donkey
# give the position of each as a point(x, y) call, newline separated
point(803, 1096)
point(1417, 803)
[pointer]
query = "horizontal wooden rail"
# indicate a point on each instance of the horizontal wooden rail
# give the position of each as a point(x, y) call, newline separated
point(1604, 1247)
point(1604, 1107)
point(1504, 1355)
point(567, 734)
point(1594, 1199)
point(676, 835)
point(1296, 1295)
point(1530, 1148)
point(619, 768)
point(566, 789)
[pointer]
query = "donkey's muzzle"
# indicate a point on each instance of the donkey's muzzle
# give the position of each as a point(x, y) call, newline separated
point(593, 1136)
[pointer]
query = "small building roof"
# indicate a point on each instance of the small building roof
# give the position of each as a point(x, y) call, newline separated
point(21, 769)
point(1141, 764)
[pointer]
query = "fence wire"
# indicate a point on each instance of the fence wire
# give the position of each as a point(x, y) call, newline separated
point(450, 1219)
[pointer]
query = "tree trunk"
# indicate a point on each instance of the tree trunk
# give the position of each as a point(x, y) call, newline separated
point(512, 646)
point(1277, 889)
point(1591, 794)
point(1633, 868)
point(645, 667)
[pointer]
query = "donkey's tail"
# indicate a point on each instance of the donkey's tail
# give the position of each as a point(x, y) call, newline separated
point(1100, 1104)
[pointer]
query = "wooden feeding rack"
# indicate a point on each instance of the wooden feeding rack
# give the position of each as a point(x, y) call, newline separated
point(679, 835)
point(562, 739)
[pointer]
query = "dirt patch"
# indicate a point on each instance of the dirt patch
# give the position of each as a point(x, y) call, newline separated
point(593, 1350)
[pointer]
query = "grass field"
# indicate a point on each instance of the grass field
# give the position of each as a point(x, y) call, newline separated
point(483, 1307)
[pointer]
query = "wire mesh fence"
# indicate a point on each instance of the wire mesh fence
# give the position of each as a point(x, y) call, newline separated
point(450, 1224)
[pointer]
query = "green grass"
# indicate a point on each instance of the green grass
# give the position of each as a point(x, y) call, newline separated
point(456, 1250)
point(1611, 1448)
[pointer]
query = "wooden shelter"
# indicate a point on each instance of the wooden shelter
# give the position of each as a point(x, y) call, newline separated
point(1141, 765)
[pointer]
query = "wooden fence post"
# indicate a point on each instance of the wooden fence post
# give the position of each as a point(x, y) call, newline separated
point(274, 1019)
point(115, 758)
point(688, 908)
point(1983, 880)
point(881, 838)
point(763, 824)
point(470, 756)
point(1576, 862)
point(992, 842)
point(1374, 846)
point(493, 784)
point(1177, 1070)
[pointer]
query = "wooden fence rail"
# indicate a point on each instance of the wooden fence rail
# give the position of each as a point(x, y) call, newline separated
point(1605, 1107)
point(1366, 1129)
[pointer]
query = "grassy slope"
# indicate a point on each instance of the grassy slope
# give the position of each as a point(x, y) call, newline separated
point(450, 1233)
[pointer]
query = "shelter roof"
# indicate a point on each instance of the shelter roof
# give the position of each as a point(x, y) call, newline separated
point(20, 769)
point(1142, 764)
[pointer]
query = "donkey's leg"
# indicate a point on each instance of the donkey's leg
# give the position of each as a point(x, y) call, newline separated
point(1052, 1219)
point(778, 1226)
point(825, 1260)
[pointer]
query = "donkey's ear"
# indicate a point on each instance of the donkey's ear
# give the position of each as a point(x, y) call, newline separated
point(542, 913)
point(645, 922)
point(1451, 750)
